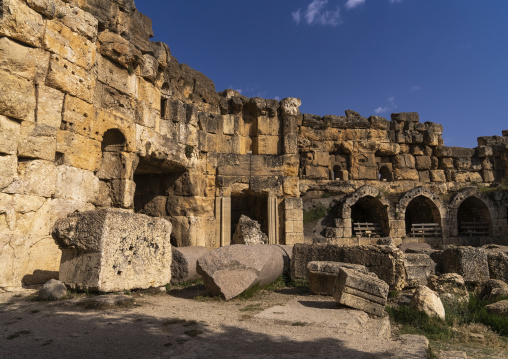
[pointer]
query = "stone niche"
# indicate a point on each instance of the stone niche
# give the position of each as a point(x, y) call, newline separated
point(112, 250)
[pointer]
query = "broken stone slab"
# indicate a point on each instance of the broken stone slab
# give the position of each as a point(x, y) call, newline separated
point(426, 300)
point(361, 291)
point(52, 290)
point(322, 275)
point(498, 308)
point(248, 231)
point(419, 267)
point(386, 262)
point(112, 250)
point(183, 265)
point(449, 286)
point(497, 257)
point(492, 289)
point(228, 271)
point(471, 263)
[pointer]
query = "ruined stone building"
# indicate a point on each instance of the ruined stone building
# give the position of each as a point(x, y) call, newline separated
point(95, 115)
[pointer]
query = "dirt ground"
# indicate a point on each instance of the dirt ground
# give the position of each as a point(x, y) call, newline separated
point(184, 324)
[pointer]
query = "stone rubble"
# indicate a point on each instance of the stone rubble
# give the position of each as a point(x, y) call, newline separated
point(248, 231)
point(426, 300)
point(183, 263)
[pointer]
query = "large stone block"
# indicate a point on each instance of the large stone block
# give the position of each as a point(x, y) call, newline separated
point(9, 136)
point(497, 257)
point(118, 49)
point(471, 263)
point(19, 22)
point(36, 177)
point(17, 97)
point(78, 151)
point(116, 76)
point(61, 40)
point(322, 275)
point(70, 78)
point(183, 265)
point(109, 250)
point(49, 106)
point(361, 291)
point(78, 116)
point(37, 141)
point(230, 270)
point(384, 261)
point(418, 268)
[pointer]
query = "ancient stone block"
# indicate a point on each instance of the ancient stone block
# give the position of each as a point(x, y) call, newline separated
point(497, 257)
point(418, 268)
point(70, 78)
point(44, 7)
point(248, 231)
point(78, 116)
point(405, 116)
point(9, 136)
point(230, 270)
point(116, 76)
point(61, 40)
point(322, 275)
point(424, 176)
point(484, 151)
point(266, 145)
point(386, 262)
point(37, 141)
point(471, 263)
point(78, 20)
point(78, 151)
point(109, 250)
point(361, 291)
point(406, 174)
point(19, 22)
point(388, 149)
point(17, 97)
point(36, 177)
point(17, 59)
point(76, 184)
point(118, 49)
point(437, 176)
point(184, 261)
point(49, 106)
point(9, 165)
point(423, 162)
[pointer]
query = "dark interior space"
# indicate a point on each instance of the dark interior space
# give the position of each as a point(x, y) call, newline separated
point(473, 217)
point(253, 205)
point(421, 210)
point(370, 210)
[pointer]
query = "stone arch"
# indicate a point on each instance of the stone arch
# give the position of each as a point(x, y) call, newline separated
point(113, 140)
point(471, 213)
point(421, 205)
point(366, 204)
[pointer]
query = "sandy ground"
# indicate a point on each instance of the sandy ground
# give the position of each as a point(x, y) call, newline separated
point(281, 324)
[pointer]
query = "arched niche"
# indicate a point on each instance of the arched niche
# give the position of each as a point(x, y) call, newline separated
point(421, 210)
point(113, 140)
point(430, 202)
point(471, 214)
point(365, 205)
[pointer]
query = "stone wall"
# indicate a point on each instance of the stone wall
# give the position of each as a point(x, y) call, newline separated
point(93, 114)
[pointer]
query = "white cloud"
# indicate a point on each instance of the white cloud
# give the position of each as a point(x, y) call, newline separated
point(380, 110)
point(389, 107)
point(317, 13)
point(277, 98)
point(415, 88)
point(395, 1)
point(351, 4)
point(296, 16)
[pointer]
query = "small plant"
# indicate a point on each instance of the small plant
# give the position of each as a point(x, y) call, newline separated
point(127, 292)
point(189, 150)
point(299, 324)
point(130, 70)
point(193, 332)
point(326, 194)
point(60, 15)
point(314, 214)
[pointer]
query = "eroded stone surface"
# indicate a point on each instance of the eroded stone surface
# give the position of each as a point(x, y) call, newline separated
point(425, 300)
point(183, 264)
point(228, 271)
point(110, 250)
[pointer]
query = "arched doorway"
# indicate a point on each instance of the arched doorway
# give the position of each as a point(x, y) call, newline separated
point(473, 218)
point(369, 217)
point(337, 172)
point(422, 218)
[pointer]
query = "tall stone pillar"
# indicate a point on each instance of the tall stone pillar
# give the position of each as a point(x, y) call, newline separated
point(223, 217)
point(273, 221)
point(293, 220)
point(290, 115)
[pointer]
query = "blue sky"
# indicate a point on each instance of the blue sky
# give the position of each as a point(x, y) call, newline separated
point(446, 59)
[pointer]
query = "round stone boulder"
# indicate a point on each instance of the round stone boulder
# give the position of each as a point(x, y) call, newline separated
point(426, 300)
point(52, 290)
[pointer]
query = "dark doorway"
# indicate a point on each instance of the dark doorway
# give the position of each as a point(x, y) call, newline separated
point(385, 174)
point(422, 217)
point(368, 214)
point(473, 218)
point(253, 205)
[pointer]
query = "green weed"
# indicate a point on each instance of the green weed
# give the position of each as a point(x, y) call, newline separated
point(314, 214)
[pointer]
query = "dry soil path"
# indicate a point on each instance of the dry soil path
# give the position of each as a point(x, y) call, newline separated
point(271, 325)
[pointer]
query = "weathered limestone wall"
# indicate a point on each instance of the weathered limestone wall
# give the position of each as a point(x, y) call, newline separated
point(95, 115)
